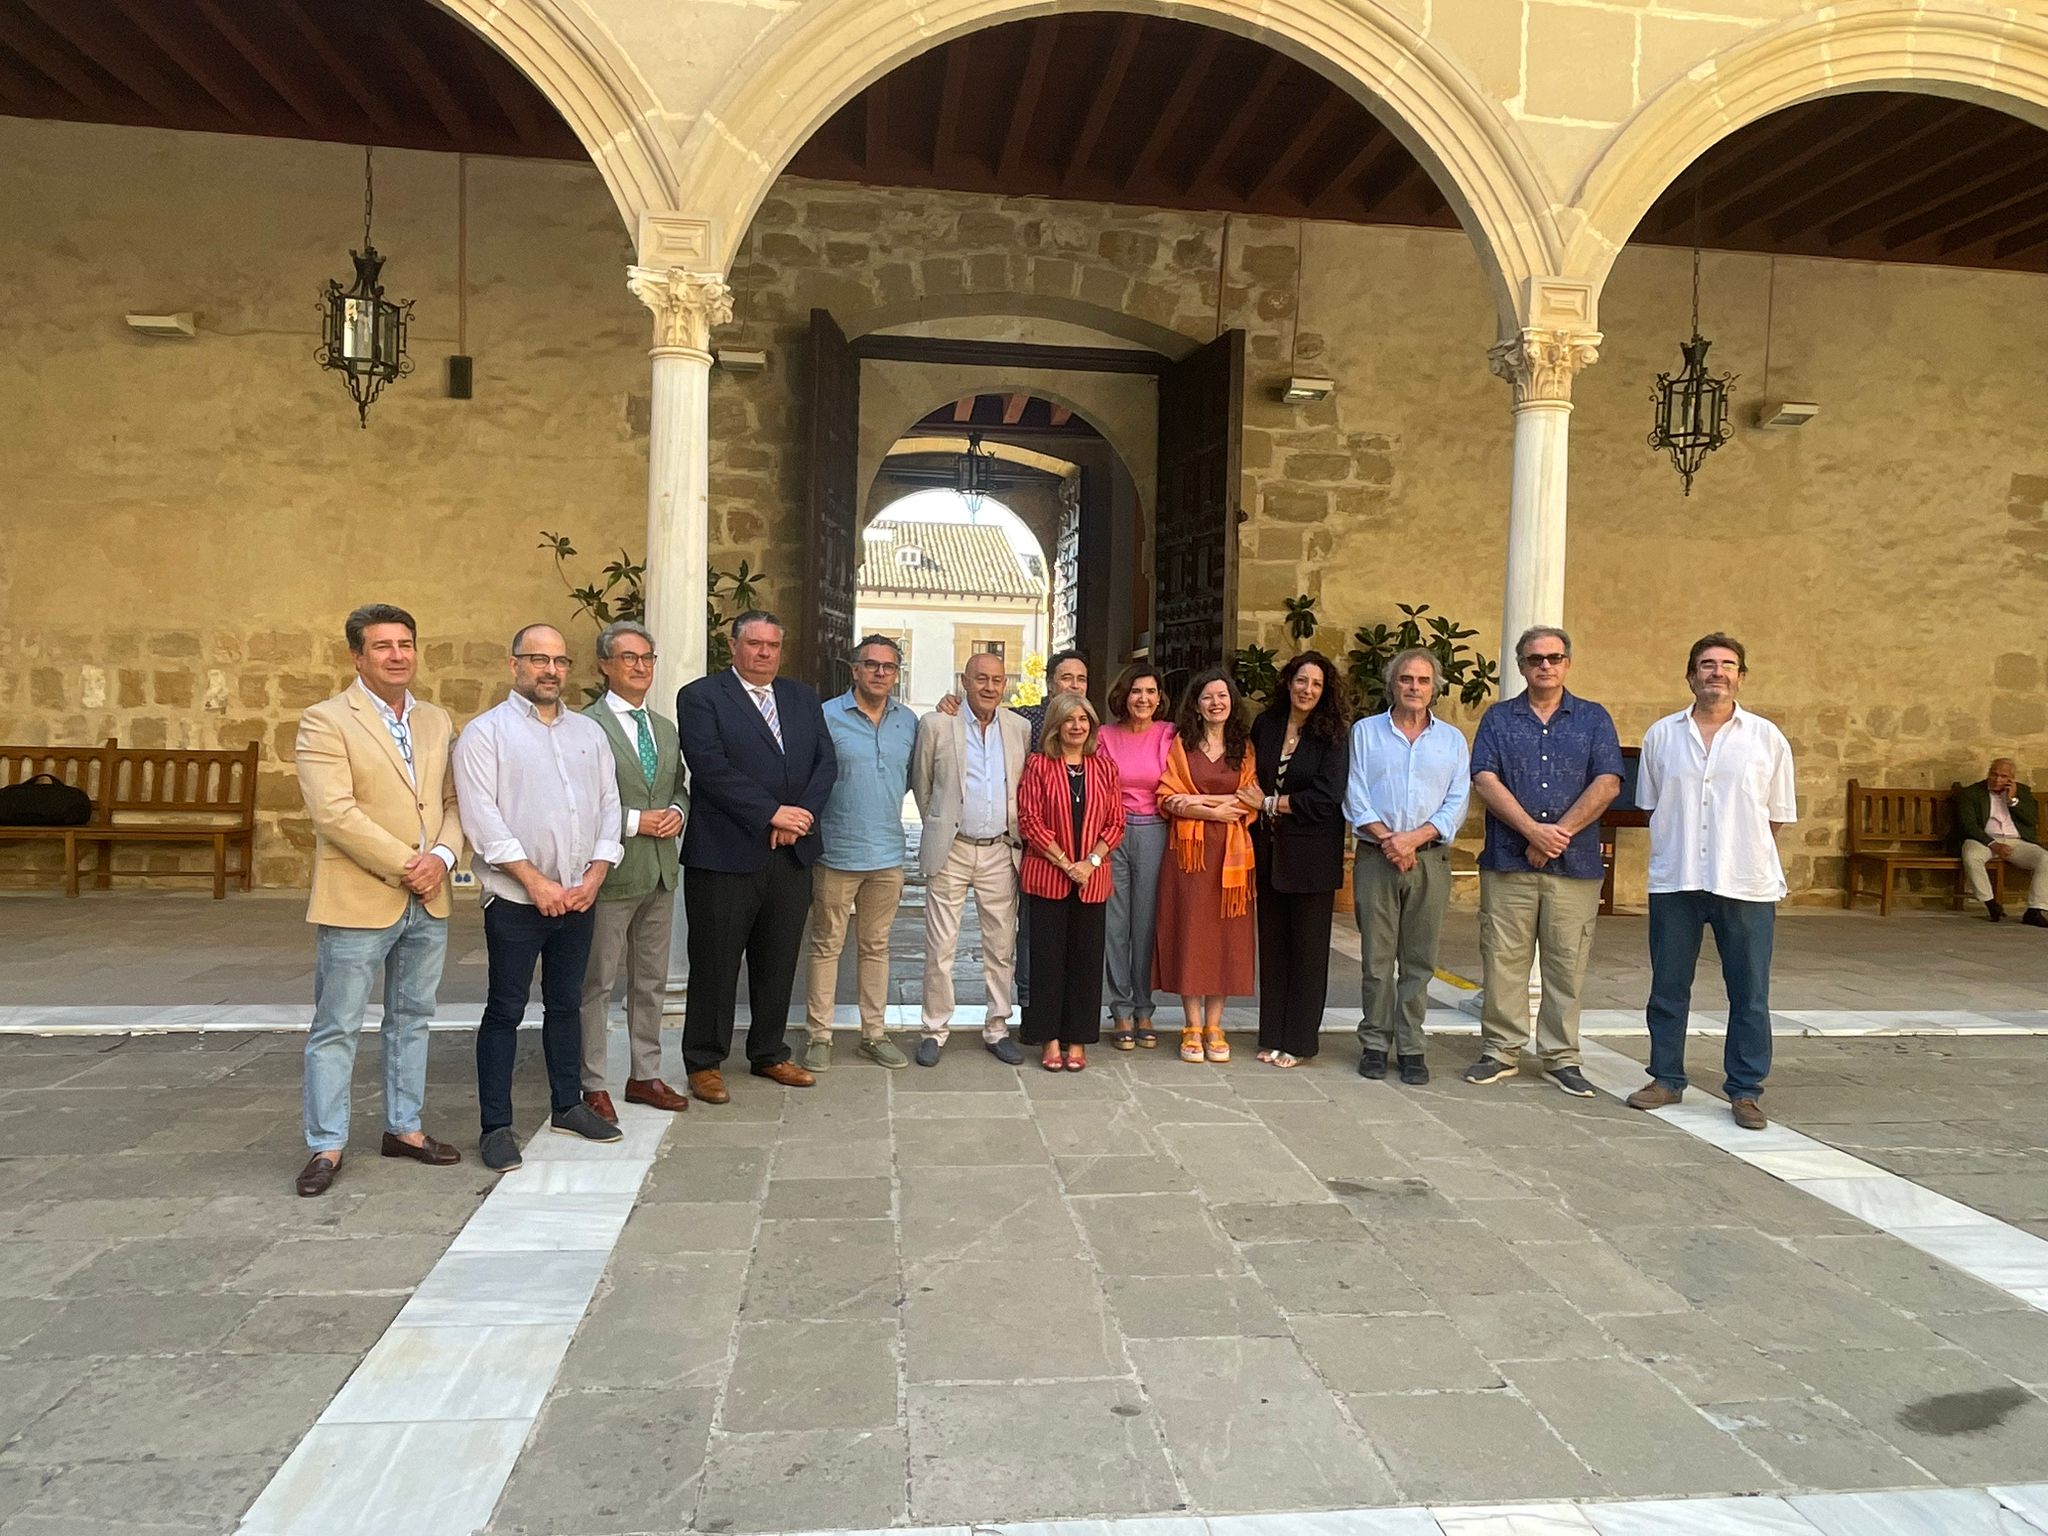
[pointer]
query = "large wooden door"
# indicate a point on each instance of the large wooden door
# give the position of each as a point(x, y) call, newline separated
point(831, 532)
point(1194, 568)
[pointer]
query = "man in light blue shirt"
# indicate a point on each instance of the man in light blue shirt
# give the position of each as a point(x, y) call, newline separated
point(860, 872)
point(1411, 777)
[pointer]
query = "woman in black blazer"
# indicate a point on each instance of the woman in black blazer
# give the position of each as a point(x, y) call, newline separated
point(1302, 749)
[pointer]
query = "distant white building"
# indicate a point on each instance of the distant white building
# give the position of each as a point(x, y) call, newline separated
point(945, 589)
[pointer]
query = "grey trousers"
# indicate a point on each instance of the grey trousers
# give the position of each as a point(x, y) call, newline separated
point(1134, 917)
point(635, 934)
point(1400, 917)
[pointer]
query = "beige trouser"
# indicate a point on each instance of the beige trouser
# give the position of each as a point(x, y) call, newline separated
point(991, 874)
point(1520, 915)
point(637, 934)
point(2029, 856)
point(870, 898)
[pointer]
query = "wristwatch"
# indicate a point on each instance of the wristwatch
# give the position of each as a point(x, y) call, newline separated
point(1095, 861)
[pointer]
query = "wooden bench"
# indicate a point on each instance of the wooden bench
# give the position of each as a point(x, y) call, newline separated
point(1621, 814)
point(1903, 829)
point(146, 795)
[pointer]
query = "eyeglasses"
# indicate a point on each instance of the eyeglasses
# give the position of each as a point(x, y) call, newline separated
point(879, 666)
point(1547, 659)
point(538, 660)
point(633, 659)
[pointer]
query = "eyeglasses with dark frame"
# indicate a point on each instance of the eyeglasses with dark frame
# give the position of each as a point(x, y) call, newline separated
point(538, 659)
point(879, 666)
point(634, 659)
point(1546, 659)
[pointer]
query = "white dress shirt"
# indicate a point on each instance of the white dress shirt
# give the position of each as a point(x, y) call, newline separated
point(548, 794)
point(1711, 808)
point(984, 781)
point(1999, 822)
point(624, 711)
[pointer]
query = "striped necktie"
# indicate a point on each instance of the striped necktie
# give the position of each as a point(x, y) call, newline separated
point(764, 699)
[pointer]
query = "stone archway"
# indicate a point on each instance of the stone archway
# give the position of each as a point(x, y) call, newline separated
point(589, 79)
point(813, 62)
point(1996, 57)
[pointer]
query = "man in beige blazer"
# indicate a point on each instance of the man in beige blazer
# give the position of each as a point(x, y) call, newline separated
point(374, 767)
point(963, 773)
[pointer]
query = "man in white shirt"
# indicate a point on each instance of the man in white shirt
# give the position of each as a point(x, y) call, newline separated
point(964, 773)
point(1718, 784)
point(540, 803)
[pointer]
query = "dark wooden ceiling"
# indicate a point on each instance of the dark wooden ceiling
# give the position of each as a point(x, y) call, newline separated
point(401, 73)
point(1092, 104)
point(1005, 417)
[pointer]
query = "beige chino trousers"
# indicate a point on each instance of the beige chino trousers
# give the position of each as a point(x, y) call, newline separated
point(870, 899)
point(1522, 914)
point(990, 873)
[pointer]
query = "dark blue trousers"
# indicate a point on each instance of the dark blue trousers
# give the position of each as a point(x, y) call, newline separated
point(1742, 933)
point(517, 937)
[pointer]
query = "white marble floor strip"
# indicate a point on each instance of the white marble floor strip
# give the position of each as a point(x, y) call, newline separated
point(1994, 1251)
point(458, 1378)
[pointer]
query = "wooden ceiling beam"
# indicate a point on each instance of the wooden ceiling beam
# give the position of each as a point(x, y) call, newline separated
point(1313, 127)
point(205, 71)
point(1782, 151)
point(1969, 166)
point(1060, 416)
point(427, 80)
point(1798, 178)
point(875, 131)
point(507, 91)
point(1185, 91)
point(1030, 85)
point(963, 408)
point(1210, 172)
point(952, 102)
point(2020, 241)
point(1991, 225)
point(336, 63)
point(1013, 409)
point(112, 53)
point(1385, 166)
point(1122, 49)
point(1876, 179)
point(275, 71)
point(1958, 204)
point(48, 58)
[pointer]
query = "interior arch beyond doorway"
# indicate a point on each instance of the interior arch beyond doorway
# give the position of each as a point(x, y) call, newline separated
point(810, 64)
point(1996, 57)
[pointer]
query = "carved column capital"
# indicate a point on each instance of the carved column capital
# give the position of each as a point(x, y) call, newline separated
point(686, 306)
point(1541, 363)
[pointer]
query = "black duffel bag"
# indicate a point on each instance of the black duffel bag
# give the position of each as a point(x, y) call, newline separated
point(44, 801)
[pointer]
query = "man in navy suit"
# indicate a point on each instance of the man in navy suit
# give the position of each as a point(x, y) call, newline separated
point(761, 769)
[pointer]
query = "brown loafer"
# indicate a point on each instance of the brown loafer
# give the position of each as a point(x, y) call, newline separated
point(709, 1086)
point(318, 1174)
point(1748, 1114)
point(1653, 1095)
point(435, 1154)
point(600, 1105)
point(787, 1073)
point(655, 1094)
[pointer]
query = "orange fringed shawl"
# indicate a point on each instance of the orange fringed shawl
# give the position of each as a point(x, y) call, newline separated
point(1190, 836)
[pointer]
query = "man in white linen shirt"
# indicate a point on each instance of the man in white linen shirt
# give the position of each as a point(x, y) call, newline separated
point(1718, 784)
point(540, 804)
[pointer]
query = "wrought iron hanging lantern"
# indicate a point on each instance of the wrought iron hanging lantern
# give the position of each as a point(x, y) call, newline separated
point(362, 332)
point(1692, 405)
point(974, 473)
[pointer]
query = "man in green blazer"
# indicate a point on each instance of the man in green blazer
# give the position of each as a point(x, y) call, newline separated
point(1997, 816)
point(636, 908)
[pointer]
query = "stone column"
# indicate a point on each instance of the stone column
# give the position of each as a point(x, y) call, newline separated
point(1540, 363)
point(686, 305)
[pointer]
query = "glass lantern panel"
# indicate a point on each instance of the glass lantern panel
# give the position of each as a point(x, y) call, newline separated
point(358, 329)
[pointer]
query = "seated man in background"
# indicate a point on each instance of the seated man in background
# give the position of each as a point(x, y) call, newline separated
point(1997, 815)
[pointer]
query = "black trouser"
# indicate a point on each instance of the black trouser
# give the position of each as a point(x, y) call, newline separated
point(516, 936)
point(758, 918)
point(1066, 953)
point(1294, 967)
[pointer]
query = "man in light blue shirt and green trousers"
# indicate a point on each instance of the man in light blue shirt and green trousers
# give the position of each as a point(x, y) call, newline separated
point(860, 873)
point(1411, 778)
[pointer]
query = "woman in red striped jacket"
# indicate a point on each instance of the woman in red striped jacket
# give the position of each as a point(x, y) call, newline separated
point(1070, 812)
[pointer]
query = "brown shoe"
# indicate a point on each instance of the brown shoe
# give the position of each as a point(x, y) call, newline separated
point(709, 1087)
point(1748, 1114)
point(435, 1154)
point(600, 1105)
point(1653, 1095)
point(787, 1073)
point(318, 1174)
point(655, 1094)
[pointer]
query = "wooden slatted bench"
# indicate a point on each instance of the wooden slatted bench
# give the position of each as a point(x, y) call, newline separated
point(1902, 829)
point(147, 795)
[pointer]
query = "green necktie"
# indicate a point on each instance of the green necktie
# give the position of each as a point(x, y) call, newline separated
point(648, 761)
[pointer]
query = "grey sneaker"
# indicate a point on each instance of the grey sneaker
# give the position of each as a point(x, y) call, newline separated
point(1570, 1080)
point(1005, 1050)
point(883, 1054)
point(582, 1120)
point(500, 1150)
point(817, 1055)
point(1488, 1070)
point(927, 1052)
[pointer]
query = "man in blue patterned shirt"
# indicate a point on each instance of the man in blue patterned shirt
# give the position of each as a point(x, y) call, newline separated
point(1545, 764)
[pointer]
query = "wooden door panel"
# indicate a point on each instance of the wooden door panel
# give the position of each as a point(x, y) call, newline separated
point(832, 530)
point(1201, 420)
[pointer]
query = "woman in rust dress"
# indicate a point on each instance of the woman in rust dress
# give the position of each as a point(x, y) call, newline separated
point(1206, 937)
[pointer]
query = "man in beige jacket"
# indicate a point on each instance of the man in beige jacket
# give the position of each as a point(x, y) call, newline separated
point(374, 767)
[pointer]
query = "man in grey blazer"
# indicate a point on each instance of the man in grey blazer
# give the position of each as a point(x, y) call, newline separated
point(964, 774)
point(635, 910)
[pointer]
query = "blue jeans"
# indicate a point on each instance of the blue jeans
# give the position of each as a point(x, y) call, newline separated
point(1742, 932)
point(517, 937)
point(411, 951)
